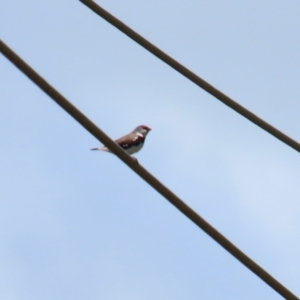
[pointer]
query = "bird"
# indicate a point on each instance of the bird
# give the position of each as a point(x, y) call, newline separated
point(131, 142)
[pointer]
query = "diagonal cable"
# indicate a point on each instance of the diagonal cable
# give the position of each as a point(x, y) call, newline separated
point(143, 173)
point(190, 75)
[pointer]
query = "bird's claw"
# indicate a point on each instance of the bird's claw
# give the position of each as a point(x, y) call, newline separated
point(135, 159)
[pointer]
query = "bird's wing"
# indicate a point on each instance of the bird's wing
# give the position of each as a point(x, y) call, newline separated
point(130, 140)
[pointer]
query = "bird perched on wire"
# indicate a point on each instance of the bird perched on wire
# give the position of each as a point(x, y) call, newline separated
point(131, 142)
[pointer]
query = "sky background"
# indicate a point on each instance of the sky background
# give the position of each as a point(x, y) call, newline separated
point(76, 224)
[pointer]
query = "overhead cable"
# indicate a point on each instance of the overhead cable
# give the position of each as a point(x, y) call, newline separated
point(191, 75)
point(143, 173)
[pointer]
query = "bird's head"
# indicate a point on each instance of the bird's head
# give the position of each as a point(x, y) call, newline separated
point(142, 129)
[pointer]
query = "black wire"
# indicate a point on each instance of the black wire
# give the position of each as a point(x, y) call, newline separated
point(190, 75)
point(143, 173)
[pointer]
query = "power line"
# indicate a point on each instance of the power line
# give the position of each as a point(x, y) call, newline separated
point(190, 75)
point(143, 173)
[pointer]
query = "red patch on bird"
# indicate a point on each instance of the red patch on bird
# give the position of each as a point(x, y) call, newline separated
point(146, 127)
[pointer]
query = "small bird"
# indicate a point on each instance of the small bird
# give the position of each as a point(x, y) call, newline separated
point(132, 142)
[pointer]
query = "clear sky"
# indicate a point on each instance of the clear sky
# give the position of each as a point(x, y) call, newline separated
point(76, 224)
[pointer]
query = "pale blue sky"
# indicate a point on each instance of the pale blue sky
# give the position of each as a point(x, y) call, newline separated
point(76, 224)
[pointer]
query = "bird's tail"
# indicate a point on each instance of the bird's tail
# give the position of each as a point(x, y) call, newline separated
point(101, 149)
